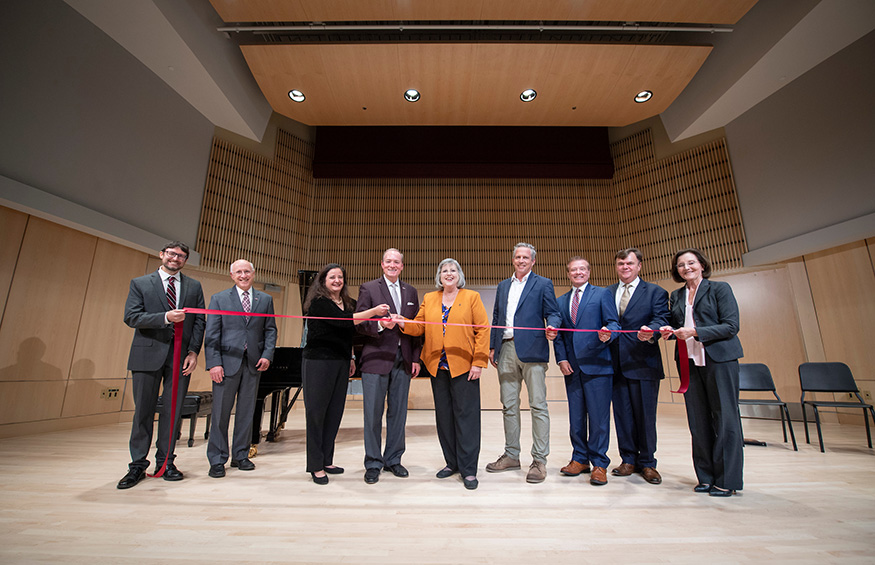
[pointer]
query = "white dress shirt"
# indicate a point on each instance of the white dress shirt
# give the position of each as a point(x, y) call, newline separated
point(513, 300)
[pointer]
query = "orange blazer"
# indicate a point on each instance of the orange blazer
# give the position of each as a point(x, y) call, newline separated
point(466, 346)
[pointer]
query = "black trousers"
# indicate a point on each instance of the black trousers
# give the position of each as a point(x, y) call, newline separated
point(325, 385)
point(715, 425)
point(457, 415)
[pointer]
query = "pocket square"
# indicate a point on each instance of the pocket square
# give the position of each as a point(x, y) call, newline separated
point(411, 304)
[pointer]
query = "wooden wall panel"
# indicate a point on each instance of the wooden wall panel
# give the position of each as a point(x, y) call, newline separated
point(12, 225)
point(103, 339)
point(45, 302)
point(82, 396)
point(31, 401)
point(843, 288)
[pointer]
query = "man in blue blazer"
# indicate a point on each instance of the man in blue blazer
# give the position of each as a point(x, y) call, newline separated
point(155, 302)
point(525, 300)
point(238, 349)
point(585, 360)
point(637, 366)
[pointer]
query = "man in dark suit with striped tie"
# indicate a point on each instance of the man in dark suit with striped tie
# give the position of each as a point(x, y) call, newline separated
point(238, 349)
point(155, 302)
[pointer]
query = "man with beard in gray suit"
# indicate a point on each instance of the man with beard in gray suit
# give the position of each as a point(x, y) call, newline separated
point(155, 302)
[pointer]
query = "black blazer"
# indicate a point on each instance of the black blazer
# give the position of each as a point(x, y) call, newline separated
point(715, 313)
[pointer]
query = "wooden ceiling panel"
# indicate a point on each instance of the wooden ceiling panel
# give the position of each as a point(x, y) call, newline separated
point(472, 84)
point(680, 11)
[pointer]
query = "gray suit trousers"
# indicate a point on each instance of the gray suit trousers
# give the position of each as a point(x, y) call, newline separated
point(376, 390)
point(243, 387)
point(146, 386)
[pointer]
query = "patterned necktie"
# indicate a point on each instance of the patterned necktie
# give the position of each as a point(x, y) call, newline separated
point(575, 303)
point(171, 293)
point(246, 305)
point(624, 300)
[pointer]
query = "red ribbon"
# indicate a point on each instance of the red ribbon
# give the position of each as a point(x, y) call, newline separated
point(683, 368)
point(177, 357)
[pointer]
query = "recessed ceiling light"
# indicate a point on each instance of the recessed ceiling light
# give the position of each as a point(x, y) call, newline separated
point(528, 95)
point(412, 95)
point(297, 96)
point(643, 96)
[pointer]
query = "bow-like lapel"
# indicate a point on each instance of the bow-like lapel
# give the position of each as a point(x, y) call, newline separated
point(584, 300)
point(530, 282)
point(387, 296)
point(159, 290)
point(634, 299)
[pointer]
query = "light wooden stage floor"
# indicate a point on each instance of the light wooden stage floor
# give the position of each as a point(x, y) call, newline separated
point(60, 504)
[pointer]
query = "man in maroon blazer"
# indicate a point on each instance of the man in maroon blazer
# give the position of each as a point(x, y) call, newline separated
point(389, 360)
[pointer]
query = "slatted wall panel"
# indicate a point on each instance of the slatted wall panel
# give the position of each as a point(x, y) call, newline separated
point(477, 222)
point(257, 208)
point(274, 213)
point(686, 200)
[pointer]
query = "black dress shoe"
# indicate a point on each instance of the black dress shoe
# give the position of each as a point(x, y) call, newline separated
point(445, 472)
point(717, 491)
point(470, 484)
point(398, 470)
point(133, 477)
point(171, 473)
point(372, 476)
point(243, 465)
point(217, 471)
point(323, 480)
point(334, 470)
point(702, 487)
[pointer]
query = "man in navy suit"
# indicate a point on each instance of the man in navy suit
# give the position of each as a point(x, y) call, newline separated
point(637, 366)
point(523, 300)
point(238, 349)
point(585, 360)
point(155, 302)
point(389, 360)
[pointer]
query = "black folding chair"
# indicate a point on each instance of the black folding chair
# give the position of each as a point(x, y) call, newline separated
point(756, 377)
point(834, 378)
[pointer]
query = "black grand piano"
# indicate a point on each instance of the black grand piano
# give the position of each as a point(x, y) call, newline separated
point(283, 375)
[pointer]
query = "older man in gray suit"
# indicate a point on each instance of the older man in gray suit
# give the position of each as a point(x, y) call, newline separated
point(238, 348)
point(155, 302)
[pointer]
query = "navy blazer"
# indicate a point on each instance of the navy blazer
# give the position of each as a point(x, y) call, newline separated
point(633, 358)
point(537, 304)
point(144, 311)
point(591, 355)
point(379, 350)
point(715, 313)
point(226, 335)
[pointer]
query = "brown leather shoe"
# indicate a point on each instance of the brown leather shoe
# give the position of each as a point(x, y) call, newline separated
point(651, 475)
point(623, 470)
point(599, 476)
point(574, 468)
point(504, 463)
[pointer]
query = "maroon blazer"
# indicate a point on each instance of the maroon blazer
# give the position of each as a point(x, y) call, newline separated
point(378, 353)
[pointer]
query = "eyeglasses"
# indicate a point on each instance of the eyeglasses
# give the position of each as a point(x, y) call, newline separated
point(175, 255)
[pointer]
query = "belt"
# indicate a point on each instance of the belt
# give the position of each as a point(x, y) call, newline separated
point(506, 339)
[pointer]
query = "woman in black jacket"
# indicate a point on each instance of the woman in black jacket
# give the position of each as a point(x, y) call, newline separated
point(327, 364)
point(705, 315)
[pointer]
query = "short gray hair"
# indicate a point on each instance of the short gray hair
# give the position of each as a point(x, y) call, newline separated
point(251, 266)
point(528, 245)
point(437, 276)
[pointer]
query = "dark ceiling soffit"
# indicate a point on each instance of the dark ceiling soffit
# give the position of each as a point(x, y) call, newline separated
point(462, 152)
point(417, 32)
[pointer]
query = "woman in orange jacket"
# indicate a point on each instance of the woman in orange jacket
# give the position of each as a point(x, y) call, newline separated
point(454, 356)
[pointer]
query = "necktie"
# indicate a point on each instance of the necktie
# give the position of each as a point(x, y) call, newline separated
point(575, 304)
point(171, 293)
point(624, 300)
point(246, 305)
point(396, 298)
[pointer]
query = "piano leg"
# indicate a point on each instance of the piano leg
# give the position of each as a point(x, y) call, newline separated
point(256, 421)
